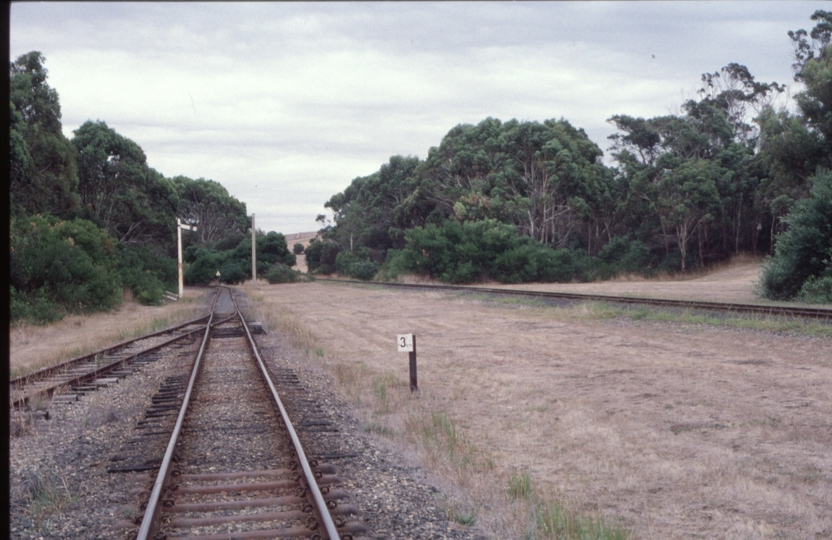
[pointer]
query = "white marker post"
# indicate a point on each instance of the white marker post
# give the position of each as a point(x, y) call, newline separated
point(407, 343)
point(179, 227)
point(253, 253)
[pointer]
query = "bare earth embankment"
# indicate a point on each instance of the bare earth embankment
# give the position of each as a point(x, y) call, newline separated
point(674, 430)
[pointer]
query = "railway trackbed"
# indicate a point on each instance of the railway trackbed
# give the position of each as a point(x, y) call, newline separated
point(220, 457)
point(823, 314)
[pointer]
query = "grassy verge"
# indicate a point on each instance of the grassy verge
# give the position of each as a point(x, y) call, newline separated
point(601, 310)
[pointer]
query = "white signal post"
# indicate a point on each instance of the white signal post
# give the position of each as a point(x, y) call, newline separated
point(179, 227)
point(253, 253)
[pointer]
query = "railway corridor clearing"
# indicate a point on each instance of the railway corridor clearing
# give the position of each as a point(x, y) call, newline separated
point(679, 430)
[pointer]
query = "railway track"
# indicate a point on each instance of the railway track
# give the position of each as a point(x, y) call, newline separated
point(69, 380)
point(770, 310)
point(233, 465)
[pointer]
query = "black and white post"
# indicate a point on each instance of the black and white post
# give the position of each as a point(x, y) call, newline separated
point(407, 343)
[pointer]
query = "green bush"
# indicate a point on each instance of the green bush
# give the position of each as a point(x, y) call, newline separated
point(282, 274)
point(321, 256)
point(817, 290)
point(297, 249)
point(34, 308)
point(204, 268)
point(62, 265)
point(232, 272)
point(621, 256)
point(804, 250)
point(146, 274)
point(344, 260)
point(476, 250)
point(364, 270)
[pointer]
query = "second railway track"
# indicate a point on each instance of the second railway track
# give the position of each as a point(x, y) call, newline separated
point(722, 307)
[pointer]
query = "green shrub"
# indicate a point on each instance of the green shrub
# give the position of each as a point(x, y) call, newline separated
point(297, 249)
point(146, 274)
point(476, 250)
point(344, 260)
point(621, 256)
point(232, 272)
point(282, 274)
point(204, 268)
point(804, 250)
point(65, 266)
point(817, 290)
point(321, 256)
point(364, 270)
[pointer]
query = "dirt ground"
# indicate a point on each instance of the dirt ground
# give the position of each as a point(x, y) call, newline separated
point(734, 284)
point(674, 430)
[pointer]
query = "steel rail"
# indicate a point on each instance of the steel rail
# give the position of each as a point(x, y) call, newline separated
point(312, 484)
point(808, 312)
point(93, 374)
point(151, 512)
point(45, 372)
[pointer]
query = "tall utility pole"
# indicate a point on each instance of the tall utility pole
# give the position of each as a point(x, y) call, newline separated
point(179, 227)
point(253, 252)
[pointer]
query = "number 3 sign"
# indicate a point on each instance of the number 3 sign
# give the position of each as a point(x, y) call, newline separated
point(405, 342)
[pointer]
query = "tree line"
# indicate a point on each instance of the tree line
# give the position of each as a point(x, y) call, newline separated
point(520, 201)
point(89, 217)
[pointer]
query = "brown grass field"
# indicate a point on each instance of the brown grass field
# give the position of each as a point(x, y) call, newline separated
point(669, 426)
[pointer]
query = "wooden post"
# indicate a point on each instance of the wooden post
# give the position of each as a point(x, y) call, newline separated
point(414, 385)
point(179, 252)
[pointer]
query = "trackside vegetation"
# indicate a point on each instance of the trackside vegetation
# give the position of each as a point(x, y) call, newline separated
point(513, 201)
point(89, 217)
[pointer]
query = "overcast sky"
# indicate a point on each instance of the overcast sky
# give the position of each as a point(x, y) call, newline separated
point(285, 103)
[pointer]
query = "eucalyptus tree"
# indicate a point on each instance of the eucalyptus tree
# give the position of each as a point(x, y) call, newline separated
point(374, 211)
point(209, 205)
point(133, 202)
point(43, 173)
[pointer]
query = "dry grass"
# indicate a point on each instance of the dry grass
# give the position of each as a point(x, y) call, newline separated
point(37, 347)
point(673, 429)
point(420, 426)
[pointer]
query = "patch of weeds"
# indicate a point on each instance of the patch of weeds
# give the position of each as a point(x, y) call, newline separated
point(463, 516)
point(380, 391)
point(20, 424)
point(552, 520)
point(111, 416)
point(378, 429)
point(47, 492)
point(319, 352)
point(556, 521)
point(520, 486)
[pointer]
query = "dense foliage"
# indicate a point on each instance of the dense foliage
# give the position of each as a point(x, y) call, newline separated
point(523, 200)
point(234, 263)
point(89, 217)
